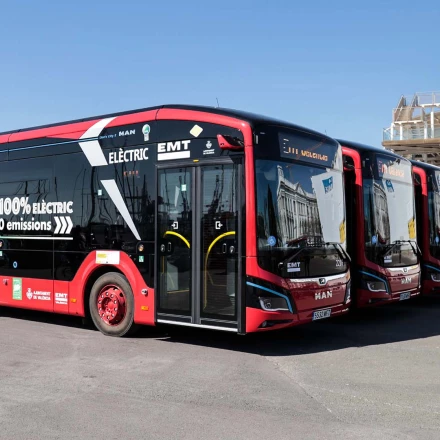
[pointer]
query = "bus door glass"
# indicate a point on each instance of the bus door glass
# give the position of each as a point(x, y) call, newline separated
point(219, 240)
point(174, 215)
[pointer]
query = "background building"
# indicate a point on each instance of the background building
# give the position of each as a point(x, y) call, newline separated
point(415, 128)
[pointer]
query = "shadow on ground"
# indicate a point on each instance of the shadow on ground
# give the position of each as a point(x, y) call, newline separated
point(416, 319)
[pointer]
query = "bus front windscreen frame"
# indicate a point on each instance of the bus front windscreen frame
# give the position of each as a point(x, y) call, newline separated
point(300, 208)
point(389, 211)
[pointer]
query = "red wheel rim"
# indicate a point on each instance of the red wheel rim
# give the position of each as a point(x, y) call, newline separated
point(111, 304)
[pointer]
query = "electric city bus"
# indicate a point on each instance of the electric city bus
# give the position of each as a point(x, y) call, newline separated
point(427, 193)
point(381, 225)
point(181, 215)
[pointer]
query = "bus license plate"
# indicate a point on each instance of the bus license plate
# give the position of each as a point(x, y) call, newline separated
point(321, 314)
point(405, 295)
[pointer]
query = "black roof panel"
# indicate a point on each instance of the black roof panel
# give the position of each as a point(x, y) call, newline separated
point(425, 166)
point(365, 148)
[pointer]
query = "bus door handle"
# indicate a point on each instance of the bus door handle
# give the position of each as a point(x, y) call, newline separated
point(224, 248)
point(170, 246)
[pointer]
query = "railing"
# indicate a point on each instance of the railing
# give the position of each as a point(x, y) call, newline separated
point(428, 99)
point(406, 132)
point(416, 117)
point(415, 111)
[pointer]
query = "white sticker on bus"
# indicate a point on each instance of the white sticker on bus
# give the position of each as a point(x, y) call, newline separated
point(196, 130)
point(173, 150)
point(109, 257)
point(294, 267)
point(61, 298)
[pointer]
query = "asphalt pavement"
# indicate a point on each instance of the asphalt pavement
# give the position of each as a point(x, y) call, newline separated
point(372, 375)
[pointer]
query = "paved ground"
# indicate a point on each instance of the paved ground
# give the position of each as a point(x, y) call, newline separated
point(374, 375)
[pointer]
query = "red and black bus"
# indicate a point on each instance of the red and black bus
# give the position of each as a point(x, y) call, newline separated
point(381, 225)
point(427, 193)
point(182, 215)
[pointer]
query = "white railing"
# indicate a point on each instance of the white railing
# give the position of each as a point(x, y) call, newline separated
point(428, 99)
point(416, 117)
point(408, 132)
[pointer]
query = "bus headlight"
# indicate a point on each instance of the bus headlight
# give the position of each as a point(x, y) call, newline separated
point(376, 286)
point(373, 284)
point(274, 304)
point(262, 294)
point(435, 276)
point(431, 274)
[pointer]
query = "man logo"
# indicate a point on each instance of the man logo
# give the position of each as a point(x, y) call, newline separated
point(405, 270)
point(127, 133)
point(323, 295)
point(322, 281)
point(406, 280)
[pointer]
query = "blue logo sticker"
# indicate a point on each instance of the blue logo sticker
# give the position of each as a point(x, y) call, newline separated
point(374, 239)
point(437, 239)
point(15, 265)
point(389, 185)
point(328, 184)
point(271, 241)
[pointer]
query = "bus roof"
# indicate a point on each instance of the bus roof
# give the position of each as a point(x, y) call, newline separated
point(365, 148)
point(424, 165)
point(251, 118)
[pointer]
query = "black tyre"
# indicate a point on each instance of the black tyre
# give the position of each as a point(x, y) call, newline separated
point(111, 305)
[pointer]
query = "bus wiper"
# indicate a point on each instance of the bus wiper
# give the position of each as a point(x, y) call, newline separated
point(416, 249)
point(341, 251)
point(288, 259)
point(390, 247)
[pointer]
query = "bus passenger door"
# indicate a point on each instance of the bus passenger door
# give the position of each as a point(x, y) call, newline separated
point(198, 245)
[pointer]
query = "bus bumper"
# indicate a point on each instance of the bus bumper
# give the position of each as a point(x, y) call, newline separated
point(365, 298)
point(258, 320)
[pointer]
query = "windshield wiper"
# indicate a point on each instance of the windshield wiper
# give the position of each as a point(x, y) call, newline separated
point(416, 250)
point(389, 248)
point(288, 259)
point(341, 251)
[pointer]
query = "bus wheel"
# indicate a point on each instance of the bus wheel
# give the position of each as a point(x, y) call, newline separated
point(111, 304)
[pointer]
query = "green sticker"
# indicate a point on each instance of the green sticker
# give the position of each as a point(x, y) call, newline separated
point(141, 258)
point(16, 289)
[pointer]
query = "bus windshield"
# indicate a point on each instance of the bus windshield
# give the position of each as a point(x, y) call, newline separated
point(389, 212)
point(300, 219)
point(434, 213)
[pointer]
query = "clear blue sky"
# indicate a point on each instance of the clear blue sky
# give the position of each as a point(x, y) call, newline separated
point(331, 66)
